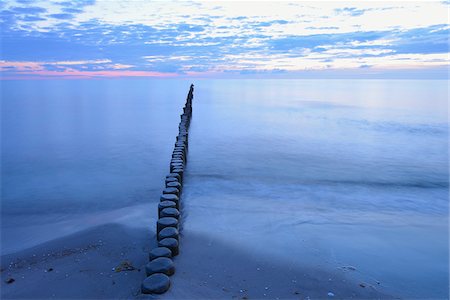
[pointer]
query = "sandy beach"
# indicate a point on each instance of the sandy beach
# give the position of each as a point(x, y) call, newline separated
point(80, 266)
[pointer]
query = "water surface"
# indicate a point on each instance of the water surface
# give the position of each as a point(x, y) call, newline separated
point(329, 173)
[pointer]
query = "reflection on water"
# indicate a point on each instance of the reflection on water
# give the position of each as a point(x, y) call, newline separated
point(344, 172)
point(329, 174)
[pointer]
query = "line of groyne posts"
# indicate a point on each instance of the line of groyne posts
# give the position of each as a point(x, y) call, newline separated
point(161, 265)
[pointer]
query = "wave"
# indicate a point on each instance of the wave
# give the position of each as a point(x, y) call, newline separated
point(309, 182)
point(421, 129)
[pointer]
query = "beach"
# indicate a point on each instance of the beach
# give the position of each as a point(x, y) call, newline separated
point(80, 266)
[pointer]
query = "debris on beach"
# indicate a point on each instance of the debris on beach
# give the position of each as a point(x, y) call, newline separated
point(10, 280)
point(125, 265)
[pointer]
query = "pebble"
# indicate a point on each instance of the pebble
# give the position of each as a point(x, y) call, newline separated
point(170, 212)
point(170, 243)
point(168, 232)
point(10, 280)
point(160, 265)
point(155, 284)
point(159, 252)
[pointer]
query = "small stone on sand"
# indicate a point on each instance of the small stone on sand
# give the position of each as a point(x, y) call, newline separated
point(10, 280)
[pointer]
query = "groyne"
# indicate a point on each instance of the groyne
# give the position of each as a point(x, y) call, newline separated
point(161, 264)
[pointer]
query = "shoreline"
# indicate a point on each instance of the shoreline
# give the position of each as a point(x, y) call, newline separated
point(81, 266)
point(132, 216)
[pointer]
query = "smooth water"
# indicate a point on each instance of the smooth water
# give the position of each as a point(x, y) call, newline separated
point(339, 172)
point(328, 174)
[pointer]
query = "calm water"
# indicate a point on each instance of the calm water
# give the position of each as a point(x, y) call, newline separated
point(344, 172)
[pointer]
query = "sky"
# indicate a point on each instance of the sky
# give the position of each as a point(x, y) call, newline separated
point(256, 39)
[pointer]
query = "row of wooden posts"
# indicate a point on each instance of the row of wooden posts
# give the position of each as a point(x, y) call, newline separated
point(161, 265)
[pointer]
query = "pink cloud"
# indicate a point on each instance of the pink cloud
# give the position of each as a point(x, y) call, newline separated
point(27, 70)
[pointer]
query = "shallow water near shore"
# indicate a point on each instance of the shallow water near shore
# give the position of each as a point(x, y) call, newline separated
point(350, 177)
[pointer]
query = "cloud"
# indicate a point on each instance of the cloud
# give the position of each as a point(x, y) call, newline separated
point(191, 38)
point(28, 10)
point(75, 3)
point(32, 18)
point(350, 11)
point(71, 10)
point(62, 16)
point(190, 28)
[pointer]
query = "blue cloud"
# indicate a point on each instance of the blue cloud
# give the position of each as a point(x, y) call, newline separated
point(323, 28)
point(190, 28)
point(62, 16)
point(28, 10)
point(130, 43)
point(32, 18)
point(76, 3)
point(270, 23)
point(434, 39)
point(427, 40)
point(71, 10)
point(352, 11)
point(318, 41)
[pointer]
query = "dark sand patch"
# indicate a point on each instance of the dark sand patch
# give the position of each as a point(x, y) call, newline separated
point(80, 266)
point(210, 269)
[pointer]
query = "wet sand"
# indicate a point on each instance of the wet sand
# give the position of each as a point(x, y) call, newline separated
point(80, 266)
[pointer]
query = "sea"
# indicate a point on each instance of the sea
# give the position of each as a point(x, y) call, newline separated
point(348, 175)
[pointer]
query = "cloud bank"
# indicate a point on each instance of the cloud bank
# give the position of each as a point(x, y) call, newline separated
point(85, 38)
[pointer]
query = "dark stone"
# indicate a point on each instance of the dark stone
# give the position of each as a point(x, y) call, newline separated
point(170, 243)
point(176, 166)
point(159, 252)
point(169, 197)
point(179, 171)
point(166, 222)
point(160, 265)
point(174, 184)
point(174, 175)
point(168, 232)
point(171, 179)
point(10, 280)
point(170, 212)
point(155, 284)
point(178, 176)
point(172, 190)
point(166, 204)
